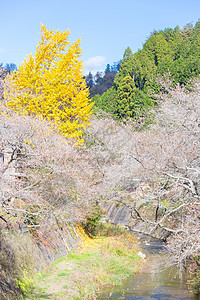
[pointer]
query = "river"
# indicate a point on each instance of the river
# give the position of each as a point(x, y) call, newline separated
point(157, 279)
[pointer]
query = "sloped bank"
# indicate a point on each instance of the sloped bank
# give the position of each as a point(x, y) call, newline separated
point(99, 261)
point(24, 251)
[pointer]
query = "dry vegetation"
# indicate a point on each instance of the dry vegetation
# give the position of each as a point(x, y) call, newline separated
point(45, 180)
point(98, 262)
point(155, 172)
point(45, 185)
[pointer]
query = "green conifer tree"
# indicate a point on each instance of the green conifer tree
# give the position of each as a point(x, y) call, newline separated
point(126, 67)
point(125, 100)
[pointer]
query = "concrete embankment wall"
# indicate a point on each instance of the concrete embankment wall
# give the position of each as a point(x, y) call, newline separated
point(58, 243)
point(121, 215)
point(117, 214)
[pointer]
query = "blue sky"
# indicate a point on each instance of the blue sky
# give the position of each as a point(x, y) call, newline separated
point(106, 27)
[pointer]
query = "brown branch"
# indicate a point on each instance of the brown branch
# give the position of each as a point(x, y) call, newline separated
point(36, 183)
point(156, 224)
point(3, 219)
point(192, 185)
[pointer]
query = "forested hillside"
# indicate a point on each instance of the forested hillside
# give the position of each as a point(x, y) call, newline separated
point(174, 51)
point(100, 83)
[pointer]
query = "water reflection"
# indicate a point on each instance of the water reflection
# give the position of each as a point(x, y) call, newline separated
point(157, 280)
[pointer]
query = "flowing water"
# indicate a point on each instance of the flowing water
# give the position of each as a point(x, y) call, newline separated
point(157, 279)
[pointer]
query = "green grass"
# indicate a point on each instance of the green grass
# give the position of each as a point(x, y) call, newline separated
point(66, 286)
point(85, 256)
point(37, 293)
point(106, 261)
point(62, 274)
point(43, 275)
point(59, 260)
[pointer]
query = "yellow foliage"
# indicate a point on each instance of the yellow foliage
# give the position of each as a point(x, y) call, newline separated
point(86, 241)
point(50, 84)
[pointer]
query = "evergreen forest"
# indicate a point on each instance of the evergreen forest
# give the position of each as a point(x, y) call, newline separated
point(129, 92)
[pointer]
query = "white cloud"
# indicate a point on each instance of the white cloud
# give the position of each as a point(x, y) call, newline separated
point(95, 64)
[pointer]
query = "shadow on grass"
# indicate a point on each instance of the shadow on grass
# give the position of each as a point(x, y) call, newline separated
point(37, 295)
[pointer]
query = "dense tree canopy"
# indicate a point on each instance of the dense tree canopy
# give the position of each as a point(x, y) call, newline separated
point(51, 84)
point(174, 51)
point(101, 82)
point(124, 100)
point(171, 50)
point(10, 67)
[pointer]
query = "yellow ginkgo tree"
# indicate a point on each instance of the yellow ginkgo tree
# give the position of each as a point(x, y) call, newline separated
point(50, 84)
